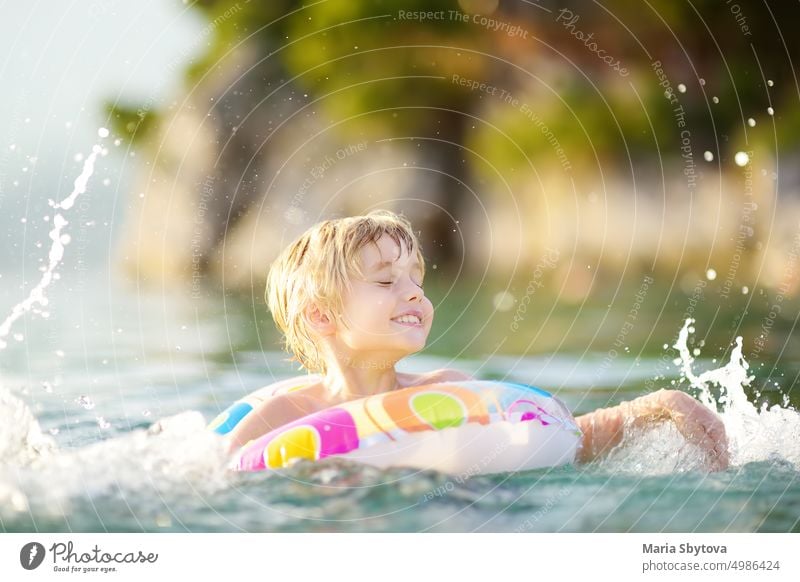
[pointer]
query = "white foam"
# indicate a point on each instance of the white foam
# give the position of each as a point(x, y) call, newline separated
point(173, 455)
point(754, 435)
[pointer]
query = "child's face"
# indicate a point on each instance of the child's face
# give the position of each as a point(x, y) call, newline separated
point(390, 289)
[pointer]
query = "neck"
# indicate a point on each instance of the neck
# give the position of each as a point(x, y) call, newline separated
point(351, 380)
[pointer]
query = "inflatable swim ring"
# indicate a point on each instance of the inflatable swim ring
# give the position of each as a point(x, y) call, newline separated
point(233, 415)
point(478, 427)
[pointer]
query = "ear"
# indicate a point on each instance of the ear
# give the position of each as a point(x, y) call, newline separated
point(320, 321)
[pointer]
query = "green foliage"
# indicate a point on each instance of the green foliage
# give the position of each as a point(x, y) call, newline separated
point(132, 123)
point(575, 124)
point(365, 57)
point(234, 24)
point(388, 73)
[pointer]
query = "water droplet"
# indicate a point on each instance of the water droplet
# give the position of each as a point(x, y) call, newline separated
point(715, 99)
point(78, 157)
point(770, 110)
point(703, 82)
point(745, 290)
point(102, 132)
point(665, 346)
point(696, 351)
point(146, 413)
point(85, 402)
point(681, 88)
point(54, 431)
point(711, 274)
point(708, 156)
point(102, 423)
point(19, 337)
point(741, 159)
point(751, 122)
point(770, 83)
point(106, 182)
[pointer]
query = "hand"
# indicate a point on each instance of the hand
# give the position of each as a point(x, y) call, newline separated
point(603, 429)
point(698, 425)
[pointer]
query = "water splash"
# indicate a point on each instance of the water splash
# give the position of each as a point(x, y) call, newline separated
point(56, 254)
point(172, 456)
point(771, 433)
point(36, 476)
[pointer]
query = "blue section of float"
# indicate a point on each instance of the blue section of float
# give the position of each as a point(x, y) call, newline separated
point(235, 413)
point(529, 387)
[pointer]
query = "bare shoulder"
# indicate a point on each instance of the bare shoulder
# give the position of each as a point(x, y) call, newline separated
point(451, 375)
point(286, 407)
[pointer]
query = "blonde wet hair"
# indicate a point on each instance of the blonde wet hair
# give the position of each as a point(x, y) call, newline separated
point(317, 269)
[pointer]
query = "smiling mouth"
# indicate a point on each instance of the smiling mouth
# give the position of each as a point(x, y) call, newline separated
point(410, 320)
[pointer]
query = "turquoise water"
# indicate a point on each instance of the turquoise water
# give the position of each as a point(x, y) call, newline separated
point(121, 385)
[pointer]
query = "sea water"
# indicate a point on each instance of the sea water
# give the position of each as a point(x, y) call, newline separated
point(107, 432)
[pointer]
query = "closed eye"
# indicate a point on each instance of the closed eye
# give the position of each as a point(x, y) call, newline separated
point(390, 283)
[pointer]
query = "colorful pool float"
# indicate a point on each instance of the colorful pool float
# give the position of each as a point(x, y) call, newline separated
point(478, 427)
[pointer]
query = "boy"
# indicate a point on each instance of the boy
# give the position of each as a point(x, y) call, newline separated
point(348, 296)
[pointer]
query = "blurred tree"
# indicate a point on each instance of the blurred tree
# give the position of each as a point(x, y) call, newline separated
point(390, 70)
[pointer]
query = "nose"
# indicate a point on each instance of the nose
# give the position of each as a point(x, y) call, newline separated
point(412, 291)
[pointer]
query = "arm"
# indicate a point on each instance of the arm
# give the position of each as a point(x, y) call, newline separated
point(267, 416)
point(604, 429)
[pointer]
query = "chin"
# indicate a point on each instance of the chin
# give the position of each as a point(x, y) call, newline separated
point(406, 348)
point(414, 348)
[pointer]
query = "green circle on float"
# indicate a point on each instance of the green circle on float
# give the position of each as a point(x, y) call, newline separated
point(439, 410)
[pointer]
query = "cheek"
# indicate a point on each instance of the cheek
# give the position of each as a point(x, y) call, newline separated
point(427, 309)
